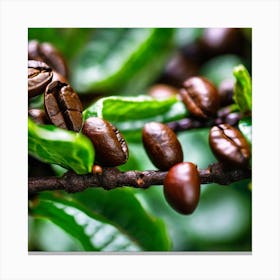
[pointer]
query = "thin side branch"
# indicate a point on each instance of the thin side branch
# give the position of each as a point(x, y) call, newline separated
point(113, 178)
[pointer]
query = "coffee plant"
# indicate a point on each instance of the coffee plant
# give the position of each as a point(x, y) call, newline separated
point(139, 139)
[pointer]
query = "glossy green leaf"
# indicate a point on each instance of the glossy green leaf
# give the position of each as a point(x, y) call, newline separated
point(129, 114)
point(245, 126)
point(220, 68)
point(67, 148)
point(242, 88)
point(122, 59)
point(91, 230)
point(121, 207)
point(40, 237)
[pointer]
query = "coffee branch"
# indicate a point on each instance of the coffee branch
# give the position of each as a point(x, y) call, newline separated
point(111, 178)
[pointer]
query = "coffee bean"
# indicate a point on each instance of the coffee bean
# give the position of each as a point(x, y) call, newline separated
point(39, 75)
point(110, 147)
point(229, 145)
point(162, 91)
point(226, 92)
point(182, 187)
point(47, 53)
point(63, 106)
point(39, 116)
point(161, 145)
point(178, 69)
point(200, 97)
point(216, 41)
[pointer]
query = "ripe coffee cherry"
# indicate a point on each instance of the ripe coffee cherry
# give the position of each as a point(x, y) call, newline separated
point(161, 145)
point(200, 97)
point(182, 187)
point(229, 145)
point(110, 146)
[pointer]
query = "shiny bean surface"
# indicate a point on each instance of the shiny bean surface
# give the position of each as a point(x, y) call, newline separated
point(63, 106)
point(47, 53)
point(39, 116)
point(182, 187)
point(200, 96)
point(39, 76)
point(229, 145)
point(110, 147)
point(161, 145)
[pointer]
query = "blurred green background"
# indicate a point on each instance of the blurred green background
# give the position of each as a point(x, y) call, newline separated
point(127, 62)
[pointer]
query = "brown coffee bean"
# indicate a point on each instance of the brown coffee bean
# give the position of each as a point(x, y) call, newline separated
point(229, 145)
point(39, 75)
point(200, 97)
point(59, 77)
point(47, 53)
point(110, 147)
point(182, 187)
point(220, 40)
point(161, 145)
point(39, 116)
point(63, 106)
point(226, 92)
point(162, 91)
point(178, 69)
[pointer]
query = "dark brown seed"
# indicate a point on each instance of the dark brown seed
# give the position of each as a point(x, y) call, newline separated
point(178, 69)
point(162, 91)
point(110, 147)
point(226, 92)
point(161, 145)
point(59, 77)
point(182, 187)
point(39, 116)
point(200, 97)
point(63, 106)
point(39, 75)
point(47, 53)
point(229, 145)
point(220, 40)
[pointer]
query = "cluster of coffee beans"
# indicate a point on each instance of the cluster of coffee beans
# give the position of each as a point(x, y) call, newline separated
point(47, 74)
point(182, 183)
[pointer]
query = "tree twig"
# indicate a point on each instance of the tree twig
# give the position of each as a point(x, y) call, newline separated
point(113, 178)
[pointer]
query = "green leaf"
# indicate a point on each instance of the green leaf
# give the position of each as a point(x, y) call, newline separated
point(245, 126)
point(129, 114)
point(220, 68)
point(91, 230)
point(69, 149)
point(67, 40)
point(121, 207)
point(41, 232)
point(187, 36)
point(122, 60)
point(223, 215)
point(242, 88)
